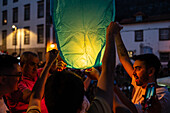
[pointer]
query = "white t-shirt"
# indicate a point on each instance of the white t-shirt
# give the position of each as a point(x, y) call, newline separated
point(3, 107)
point(162, 94)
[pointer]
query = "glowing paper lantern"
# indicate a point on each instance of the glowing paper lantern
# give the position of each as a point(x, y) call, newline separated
point(80, 27)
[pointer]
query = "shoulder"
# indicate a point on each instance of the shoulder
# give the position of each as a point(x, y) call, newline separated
point(162, 92)
point(99, 105)
point(164, 98)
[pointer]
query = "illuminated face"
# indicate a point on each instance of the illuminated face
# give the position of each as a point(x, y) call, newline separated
point(13, 79)
point(29, 69)
point(140, 73)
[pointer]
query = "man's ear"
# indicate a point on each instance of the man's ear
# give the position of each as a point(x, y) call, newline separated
point(151, 71)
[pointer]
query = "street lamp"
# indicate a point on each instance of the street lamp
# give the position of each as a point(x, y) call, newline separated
point(15, 29)
point(52, 45)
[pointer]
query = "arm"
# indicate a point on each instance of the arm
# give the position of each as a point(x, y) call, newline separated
point(38, 89)
point(87, 83)
point(91, 75)
point(123, 55)
point(105, 82)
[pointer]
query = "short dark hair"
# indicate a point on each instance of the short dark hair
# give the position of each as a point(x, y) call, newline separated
point(64, 92)
point(26, 56)
point(150, 60)
point(7, 61)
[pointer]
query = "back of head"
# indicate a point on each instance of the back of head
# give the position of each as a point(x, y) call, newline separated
point(150, 60)
point(26, 56)
point(64, 92)
point(7, 61)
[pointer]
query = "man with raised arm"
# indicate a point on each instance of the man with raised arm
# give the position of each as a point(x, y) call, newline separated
point(144, 70)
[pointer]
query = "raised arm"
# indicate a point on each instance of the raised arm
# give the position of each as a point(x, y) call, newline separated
point(123, 55)
point(38, 89)
point(105, 82)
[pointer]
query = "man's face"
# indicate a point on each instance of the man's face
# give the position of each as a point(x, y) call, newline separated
point(29, 69)
point(13, 79)
point(140, 73)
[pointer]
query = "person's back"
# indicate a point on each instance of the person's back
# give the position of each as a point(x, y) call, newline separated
point(144, 70)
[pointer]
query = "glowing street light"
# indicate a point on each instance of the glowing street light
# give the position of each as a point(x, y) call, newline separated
point(52, 45)
point(15, 29)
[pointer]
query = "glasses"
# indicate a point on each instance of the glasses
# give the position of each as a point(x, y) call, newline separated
point(17, 75)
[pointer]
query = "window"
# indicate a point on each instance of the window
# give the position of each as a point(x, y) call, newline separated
point(40, 33)
point(164, 34)
point(40, 55)
point(15, 0)
point(26, 35)
point(40, 9)
point(4, 17)
point(4, 37)
point(5, 2)
point(27, 12)
point(14, 37)
point(15, 15)
point(146, 50)
point(139, 18)
point(164, 57)
point(138, 35)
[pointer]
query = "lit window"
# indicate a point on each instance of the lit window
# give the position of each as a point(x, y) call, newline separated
point(138, 35)
point(26, 35)
point(164, 34)
point(40, 34)
point(130, 53)
point(4, 17)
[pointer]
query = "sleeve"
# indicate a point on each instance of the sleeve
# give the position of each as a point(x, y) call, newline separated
point(118, 106)
point(165, 102)
point(33, 109)
point(139, 108)
point(99, 105)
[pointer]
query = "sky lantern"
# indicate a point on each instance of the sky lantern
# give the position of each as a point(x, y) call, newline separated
point(80, 29)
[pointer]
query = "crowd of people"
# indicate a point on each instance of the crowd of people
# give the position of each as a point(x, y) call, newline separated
point(53, 88)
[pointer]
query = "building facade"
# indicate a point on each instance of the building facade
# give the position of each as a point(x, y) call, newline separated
point(146, 27)
point(152, 37)
point(25, 25)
